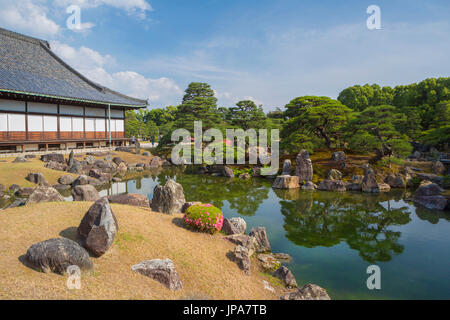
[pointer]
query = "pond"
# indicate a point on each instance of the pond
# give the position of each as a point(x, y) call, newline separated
point(332, 237)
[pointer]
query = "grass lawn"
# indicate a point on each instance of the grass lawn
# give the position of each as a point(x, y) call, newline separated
point(15, 173)
point(200, 259)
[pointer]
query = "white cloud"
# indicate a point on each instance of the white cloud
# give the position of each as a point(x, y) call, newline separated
point(132, 7)
point(94, 66)
point(27, 16)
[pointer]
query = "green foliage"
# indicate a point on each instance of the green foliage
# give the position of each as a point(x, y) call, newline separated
point(437, 137)
point(321, 117)
point(246, 115)
point(204, 217)
point(360, 97)
point(446, 182)
point(386, 162)
point(374, 129)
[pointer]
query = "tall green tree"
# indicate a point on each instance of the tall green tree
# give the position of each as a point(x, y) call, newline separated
point(360, 97)
point(247, 115)
point(321, 117)
point(375, 130)
point(199, 104)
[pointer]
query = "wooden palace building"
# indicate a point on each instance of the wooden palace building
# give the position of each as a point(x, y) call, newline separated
point(45, 104)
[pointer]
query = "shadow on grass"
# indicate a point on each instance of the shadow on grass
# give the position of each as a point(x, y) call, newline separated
point(70, 233)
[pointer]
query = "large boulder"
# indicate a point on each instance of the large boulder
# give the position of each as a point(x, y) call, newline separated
point(338, 156)
point(117, 160)
point(44, 193)
point(286, 182)
point(162, 271)
point(58, 166)
point(242, 257)
point(309, 185)
point(308, 292)
point(395, 181)
point(37, 178)
point(235, 225)
point(285, 275)
point(287, 168)
point(332, 185)
point(429, 196)
point(66, 180)
point(24, 192)
point(71, 158)
point(353, 186)
point(304, 168)
point(262, 243)
point(130, 199)
point(168, 198)
point(80, 181)
point(369, 183)
point(56, 157)
point(85, 193)
point(334, 174)
point(56, 255)
point(76, 167)
point(98, 227)
point(431, 177)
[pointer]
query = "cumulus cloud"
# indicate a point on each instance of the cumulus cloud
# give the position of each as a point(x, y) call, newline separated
point(27, 16)
point(95, 66)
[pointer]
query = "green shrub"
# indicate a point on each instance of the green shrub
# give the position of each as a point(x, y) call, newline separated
point(204, 217)
point(446, 182)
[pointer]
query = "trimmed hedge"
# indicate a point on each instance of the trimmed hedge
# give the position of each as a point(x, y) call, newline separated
point(204, 217)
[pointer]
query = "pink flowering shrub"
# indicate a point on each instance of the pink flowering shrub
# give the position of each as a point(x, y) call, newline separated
point(204, 217)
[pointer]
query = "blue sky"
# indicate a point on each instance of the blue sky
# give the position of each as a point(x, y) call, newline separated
point(270, 51)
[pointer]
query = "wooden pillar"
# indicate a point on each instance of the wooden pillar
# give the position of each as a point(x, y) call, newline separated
point(26, 120)
point(23, 148)
point(46, 147)
point(58, 135)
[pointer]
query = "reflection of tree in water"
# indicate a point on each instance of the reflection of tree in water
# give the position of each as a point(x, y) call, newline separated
point(244, 196)
point(432, 216)
point(326, 219)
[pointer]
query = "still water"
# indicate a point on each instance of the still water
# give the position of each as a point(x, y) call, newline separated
point(332, 237)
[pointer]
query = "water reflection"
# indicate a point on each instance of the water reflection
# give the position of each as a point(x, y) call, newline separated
point(365, 222)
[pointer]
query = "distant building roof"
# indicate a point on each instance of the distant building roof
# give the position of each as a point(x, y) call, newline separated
point(29, 67)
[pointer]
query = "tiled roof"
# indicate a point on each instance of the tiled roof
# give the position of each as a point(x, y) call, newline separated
point(28, 66)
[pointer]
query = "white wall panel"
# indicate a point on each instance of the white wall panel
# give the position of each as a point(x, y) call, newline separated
point(3, 122)
point(116, 113)
point(100, 125)
point(74, 110)
point(97, 112)
point(16, 122)
point(12, 105)
point(35, 123)
point(113, 125)
point(42, 107)
point(65, 124)
point(77, 124)
point(90, 125)
point(120, 126)
point(50, 123)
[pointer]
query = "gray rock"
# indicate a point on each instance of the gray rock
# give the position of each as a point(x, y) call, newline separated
point(431, 189)
point(384, 187)
point(44, 193)
point(20, 159)
point(286, 182)
point(37, 178)
point(309, 185)
point(58, 166)
point(438, 168)
point(168, 198)
point(61, 187)
point(76, 167)
point(155, 162)
point(98, 227)
point(429, 196)
point(243, 240)
point(71, 158)
point(332, 185)
point(117, 160)
point(56, 157)
point(56, 255)
point(162, 271)
point(431, 177)
point(80, 181)
point(242, 257)
point(308, 292)
point(268, 262)
point(369, 183)
point(130, 199)
point(24, 192)
point(66, 179)
point(108, 157)
point(339, 156)
point(287, 168)
point(304, 168)
point(227, 172)
point(14, 188)
point(262, 243)
point(85, 193)
point(90, 160)
point(334, 174)
point(353, 187)
point(235, 225)
point(395, 181)
point(285, 275)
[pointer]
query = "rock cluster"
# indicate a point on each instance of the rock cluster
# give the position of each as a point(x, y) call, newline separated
point(430, 197)
point(168, 198)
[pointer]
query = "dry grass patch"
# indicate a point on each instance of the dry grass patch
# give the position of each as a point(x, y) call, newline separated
point(200, 259)
point(15, 173)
